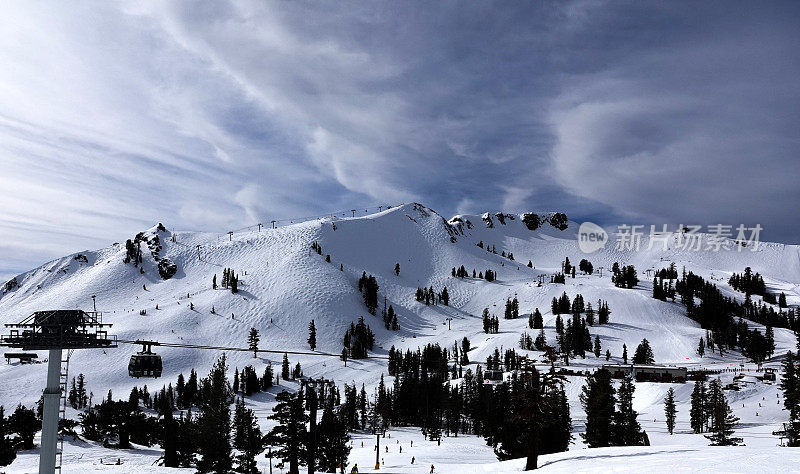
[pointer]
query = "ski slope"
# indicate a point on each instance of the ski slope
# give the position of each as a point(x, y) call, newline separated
point(284, 285)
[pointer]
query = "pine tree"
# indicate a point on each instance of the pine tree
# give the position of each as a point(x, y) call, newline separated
point(769, 336)
point(698, 408)
point(624, 354)
point(246, 438)
point(191, 389)
point(7, 452)
point(536, 420)
point(669, 409)
point(626, 428)
point(169, 440)
point(368, 286)
point(589, 314)
point(597, 398)
point(333, 446)
point(541, 341)
point(537, 319)
point(285, 370)
point(252, 341)
point(790, 385)
point(701, 348)
point(214, 421)
point(722, 418)
point(312, 335)
point(180, 389)
point(72, 398)
point(82, 397)
point(25, 424)
point(397, 269)
point(234, 283)
point(644, 353)
point(597, 346)
point(186, 439)
point(297, 373)
point(290, 434)
point(603, 312)
point(267, 380)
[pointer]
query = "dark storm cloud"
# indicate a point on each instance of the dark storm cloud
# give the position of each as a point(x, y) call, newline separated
point(215, 115)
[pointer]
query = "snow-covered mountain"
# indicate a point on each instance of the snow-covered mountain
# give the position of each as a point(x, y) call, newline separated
point(284, 284)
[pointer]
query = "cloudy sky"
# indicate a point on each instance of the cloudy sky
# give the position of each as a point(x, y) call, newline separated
point(215, 115)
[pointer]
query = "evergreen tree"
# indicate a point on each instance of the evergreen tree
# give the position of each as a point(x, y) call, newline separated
point(234, 283)
point(790, 385)
point(541, 340)
point(214, 421)
point(180, 389)
point(246, 439)
point(626, 428)
point(285, 370)
point(602, 312)
point(25, 424)
point(624, 354)
point(721, 416)
point(538, 421)
point(266, 381)
point(643, 354)
point(445, 297)
point(80, 388)
point(290, 434)
point(597, 398)
point(312, 335)
point(397, 269)
point(537, 320)
point(186, 439)
point(368, 286)
point(168, 440)
point(597, 346)
point(670, 411)
point(701, 348)
point(465, 347)
point(190, 393)
point(769, 336)
point(358, 339)
point(698, 409)
point(333, 446)
point(72, 397)
point(7, 452)
point(252, 341)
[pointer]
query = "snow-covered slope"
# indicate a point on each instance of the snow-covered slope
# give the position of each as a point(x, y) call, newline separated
point(284, 284)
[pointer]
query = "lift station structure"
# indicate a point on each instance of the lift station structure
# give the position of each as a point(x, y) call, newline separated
point(56, 331)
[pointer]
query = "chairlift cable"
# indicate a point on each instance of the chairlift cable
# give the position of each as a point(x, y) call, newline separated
point(239, 349)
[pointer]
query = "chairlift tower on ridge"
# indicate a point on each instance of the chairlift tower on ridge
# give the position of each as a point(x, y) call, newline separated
point(54, 331)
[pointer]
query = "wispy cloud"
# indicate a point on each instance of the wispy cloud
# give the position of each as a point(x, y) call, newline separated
point(213, 115)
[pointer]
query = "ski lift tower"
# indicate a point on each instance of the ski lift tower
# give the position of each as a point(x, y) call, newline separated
point(54, 331)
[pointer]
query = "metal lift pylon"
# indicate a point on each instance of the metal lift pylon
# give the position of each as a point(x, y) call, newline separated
point(55, 331)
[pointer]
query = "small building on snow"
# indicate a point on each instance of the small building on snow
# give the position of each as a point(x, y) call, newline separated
point(648, 373)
